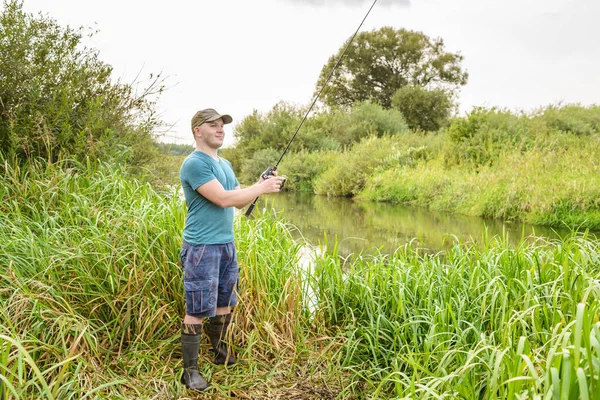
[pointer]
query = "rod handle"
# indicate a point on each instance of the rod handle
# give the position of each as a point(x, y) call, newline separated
point(249, 210)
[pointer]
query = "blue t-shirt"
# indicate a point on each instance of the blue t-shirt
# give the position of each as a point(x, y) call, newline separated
point(206, 222)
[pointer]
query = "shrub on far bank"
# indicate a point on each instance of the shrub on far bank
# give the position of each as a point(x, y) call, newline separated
point(480, 137)
point(554, 188)
point(303, 168)
point(349, 171)
point(364, 119)
point(331, 129)
point(253, 167)
point(423, 110)
point(573, 118)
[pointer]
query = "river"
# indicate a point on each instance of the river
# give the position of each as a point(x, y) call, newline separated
point(369, 227)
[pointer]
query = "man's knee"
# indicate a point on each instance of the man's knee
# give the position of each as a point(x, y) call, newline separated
point(190, 319)
point(223, 310)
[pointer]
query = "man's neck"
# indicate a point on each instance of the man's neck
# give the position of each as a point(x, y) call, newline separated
point(207, 150)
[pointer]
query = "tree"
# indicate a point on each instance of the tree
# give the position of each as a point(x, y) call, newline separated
point(380, 62)
point(58, 99)
point(271, 130)
point(275, 128)
point(426, 110)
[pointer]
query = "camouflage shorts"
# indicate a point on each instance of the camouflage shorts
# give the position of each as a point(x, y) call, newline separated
point(210, 277)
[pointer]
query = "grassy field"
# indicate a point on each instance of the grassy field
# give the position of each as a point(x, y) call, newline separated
point(92, 300)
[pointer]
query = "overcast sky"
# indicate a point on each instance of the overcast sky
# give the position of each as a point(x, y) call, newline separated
point(240, 55)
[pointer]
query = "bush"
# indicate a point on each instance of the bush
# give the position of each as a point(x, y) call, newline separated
point(303, 168)
point(272, 130)
point(234, 156)
point(365, 119)
point(426, 110)
point(483, 135)
point(574, 119)
point(57, 99)
point(253, 167)
point(347, 173)
point(328, 130)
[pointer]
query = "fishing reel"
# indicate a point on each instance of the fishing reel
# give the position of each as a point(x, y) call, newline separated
point(271, 172)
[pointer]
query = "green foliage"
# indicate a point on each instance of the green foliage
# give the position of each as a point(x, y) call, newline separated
point(480, 137)
point(329, 130)
point(484, 135)
point(272, 130)
point(572, 118)
point(174, 149)
point(553, 183)
point(303, 168)
point(86, 253)
point(426, 110)
point(382, 61)
point(347, 172)
point(363, 120)
point(491, 163)
point(235, 156)
point(253, 167)
point(469, 323)
point(57, 99)
point(86, 242)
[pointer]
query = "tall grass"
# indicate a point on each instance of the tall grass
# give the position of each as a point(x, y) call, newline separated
point(92, 300)
point(92, 291)
point(491, 323)
point(554, 188)
point(86, 269)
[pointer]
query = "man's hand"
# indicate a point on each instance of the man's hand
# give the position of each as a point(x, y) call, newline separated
point(272, 184)
point(266, 174)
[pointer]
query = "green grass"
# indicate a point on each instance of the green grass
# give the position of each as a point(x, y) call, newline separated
point(541, 168)
point(92, 301)
point(551, 188)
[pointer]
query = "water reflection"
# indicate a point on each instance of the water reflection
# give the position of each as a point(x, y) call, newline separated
point(367, 226)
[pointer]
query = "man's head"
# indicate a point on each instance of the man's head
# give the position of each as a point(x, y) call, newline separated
point(209, 115)
point(207, 127)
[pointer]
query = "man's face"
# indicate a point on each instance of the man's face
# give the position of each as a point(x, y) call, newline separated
point(211, 133)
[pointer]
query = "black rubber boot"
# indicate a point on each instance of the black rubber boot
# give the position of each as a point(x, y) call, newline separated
point(190, 345)
point(217, 329)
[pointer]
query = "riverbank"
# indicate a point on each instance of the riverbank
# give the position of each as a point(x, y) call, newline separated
point(92, 301)
point(550, 188)
point(541, 168)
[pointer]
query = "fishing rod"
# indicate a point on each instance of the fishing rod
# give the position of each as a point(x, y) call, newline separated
point(271, 171)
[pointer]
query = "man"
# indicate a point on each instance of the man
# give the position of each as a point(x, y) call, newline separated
point(208, 253)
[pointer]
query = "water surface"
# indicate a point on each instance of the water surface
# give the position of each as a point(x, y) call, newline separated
point(361, 226)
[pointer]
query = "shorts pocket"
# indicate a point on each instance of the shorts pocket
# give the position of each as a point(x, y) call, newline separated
point(198, 297)
point(182, 255)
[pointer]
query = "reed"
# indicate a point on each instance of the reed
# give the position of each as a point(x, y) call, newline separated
point(92, 299)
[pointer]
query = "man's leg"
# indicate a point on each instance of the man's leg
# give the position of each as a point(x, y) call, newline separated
point(218, 327)
point(217, 332)
point(200, 266)
point(191, 332)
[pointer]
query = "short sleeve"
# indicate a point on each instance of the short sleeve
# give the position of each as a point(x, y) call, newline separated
point(237, 183)
point(196, 172)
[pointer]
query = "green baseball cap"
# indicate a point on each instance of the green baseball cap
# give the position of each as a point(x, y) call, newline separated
point(209, 115)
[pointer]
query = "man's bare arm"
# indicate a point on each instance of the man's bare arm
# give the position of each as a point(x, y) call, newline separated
point(238, 198)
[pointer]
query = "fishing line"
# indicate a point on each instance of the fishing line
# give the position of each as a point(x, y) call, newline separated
point(270, 171)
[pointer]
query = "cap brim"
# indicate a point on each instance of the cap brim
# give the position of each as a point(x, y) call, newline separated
point(225, 117)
